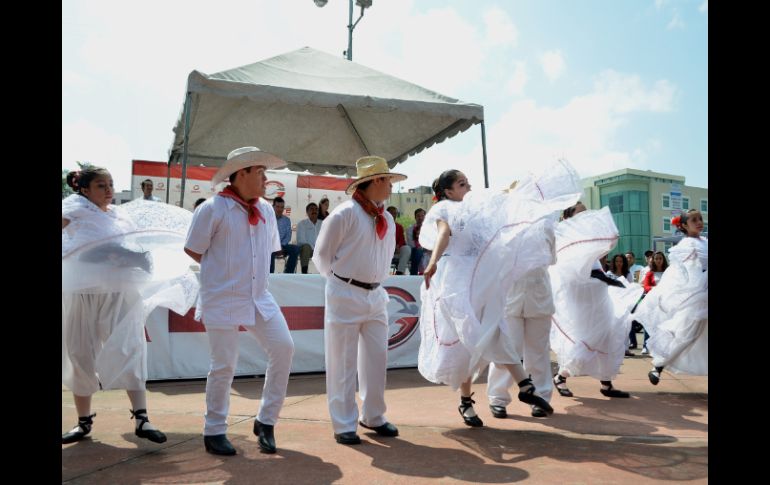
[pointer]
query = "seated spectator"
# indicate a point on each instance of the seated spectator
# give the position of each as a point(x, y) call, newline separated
point(307, 233)
point(413, 240)
point(323, 208)
point(291, 251)
point(403, 251)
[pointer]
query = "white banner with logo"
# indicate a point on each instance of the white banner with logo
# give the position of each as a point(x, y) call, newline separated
point(178, 346)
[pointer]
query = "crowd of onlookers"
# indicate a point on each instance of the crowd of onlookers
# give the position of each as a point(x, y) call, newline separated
point(648, 275)
point(408, 255)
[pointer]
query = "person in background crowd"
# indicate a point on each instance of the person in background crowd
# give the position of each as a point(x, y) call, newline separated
point(307, 234)
point(290, 251)
point(403, 251)
point(416, 265)
point(147, 191)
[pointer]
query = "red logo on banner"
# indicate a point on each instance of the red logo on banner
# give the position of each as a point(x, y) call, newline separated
point(160, 186)
point(273, 189)
point(403, 315)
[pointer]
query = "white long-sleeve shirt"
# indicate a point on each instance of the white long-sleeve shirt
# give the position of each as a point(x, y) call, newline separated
point(235, 263)
point(348, 245)
point(307, 232)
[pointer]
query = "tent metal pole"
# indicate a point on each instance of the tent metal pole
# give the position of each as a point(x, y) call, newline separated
point(187, 102)
point(168, 178)
point(484, 152)
point(345, 115)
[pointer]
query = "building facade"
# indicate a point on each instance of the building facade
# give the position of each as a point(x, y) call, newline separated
point(407, 202)
point(642, 204)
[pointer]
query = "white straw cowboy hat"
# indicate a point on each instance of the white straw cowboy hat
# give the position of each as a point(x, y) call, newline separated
point(370, 168)
point(246, 157)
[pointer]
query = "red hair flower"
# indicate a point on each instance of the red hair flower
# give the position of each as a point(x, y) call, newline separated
point(435, 198)
point(676, 220)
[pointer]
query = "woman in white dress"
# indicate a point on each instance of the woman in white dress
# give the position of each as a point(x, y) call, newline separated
point(114, 273)
point(675, 311)
point(592, 318)
point(481, 241)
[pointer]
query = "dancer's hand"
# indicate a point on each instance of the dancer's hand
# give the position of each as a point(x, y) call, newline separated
point(430, 270)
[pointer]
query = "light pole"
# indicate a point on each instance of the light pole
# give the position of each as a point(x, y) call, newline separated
point(361, 3)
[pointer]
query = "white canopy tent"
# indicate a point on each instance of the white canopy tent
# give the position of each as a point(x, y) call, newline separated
point(317, 111)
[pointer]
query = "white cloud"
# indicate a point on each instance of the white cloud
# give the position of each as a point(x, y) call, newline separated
point(425, 48)
point(553, 64)
point(676, 22)
point(72, 79)
point(584, 130)
point(500, 30)
point(627, 92)
point(518, 79)
point(85, 142)
point(704, 7)
point(660, 3)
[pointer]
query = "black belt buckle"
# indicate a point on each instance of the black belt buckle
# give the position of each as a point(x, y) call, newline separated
point(360, 284)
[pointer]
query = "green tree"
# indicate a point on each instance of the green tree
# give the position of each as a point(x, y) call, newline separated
point(65, 189)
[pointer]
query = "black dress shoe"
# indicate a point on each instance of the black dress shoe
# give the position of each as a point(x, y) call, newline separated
point(538, 412)
point(80, 431)
point(386, 429)
point(349, 438)
point(498, 411)
point(266, 439)
point(218, 444)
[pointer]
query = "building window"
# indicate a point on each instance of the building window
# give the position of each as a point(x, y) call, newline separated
point(685, 203)
point(704, 205)
point(616, 203)
point(666, 247)
point(705, 228)
point(666, 224)
point(666, 201)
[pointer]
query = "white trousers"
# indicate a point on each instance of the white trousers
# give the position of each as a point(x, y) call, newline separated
point(534, 335)
point(404, 255)
point(355, 342)
point(275, 339)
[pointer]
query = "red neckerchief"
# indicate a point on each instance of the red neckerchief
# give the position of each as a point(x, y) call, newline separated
point(251, 206)
point(416, 235)
point(380, 223)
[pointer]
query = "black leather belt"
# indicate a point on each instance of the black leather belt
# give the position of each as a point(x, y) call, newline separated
point(360, 284)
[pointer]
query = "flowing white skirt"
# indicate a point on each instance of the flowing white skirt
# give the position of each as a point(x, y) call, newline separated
point(675, 314)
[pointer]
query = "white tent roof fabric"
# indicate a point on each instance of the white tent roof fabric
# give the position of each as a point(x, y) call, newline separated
point(316, 111)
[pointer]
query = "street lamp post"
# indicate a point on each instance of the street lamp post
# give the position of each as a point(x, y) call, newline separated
point(364, 4)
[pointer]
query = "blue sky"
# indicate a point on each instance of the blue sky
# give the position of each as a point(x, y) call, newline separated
point(605, 84)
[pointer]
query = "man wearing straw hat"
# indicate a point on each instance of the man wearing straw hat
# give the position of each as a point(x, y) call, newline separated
point(353, 251)
point(232, 236)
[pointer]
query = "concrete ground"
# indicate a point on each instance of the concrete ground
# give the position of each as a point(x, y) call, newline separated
point(658, 435)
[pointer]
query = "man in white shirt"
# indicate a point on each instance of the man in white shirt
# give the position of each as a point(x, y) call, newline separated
point(232, 236)
point(648, 258)
point(147, 191)
point(307, 233)
point(633, 268)
point(353, 252)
